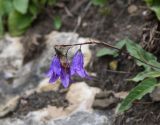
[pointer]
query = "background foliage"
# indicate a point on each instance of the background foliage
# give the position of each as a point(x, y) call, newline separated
point(155, 6)
point(17, 15)
point(146, 78)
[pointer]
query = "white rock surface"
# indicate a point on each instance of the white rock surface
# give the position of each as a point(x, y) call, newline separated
point(79, 118)
point(30, 77)
point(79, 111)
point(11, 55)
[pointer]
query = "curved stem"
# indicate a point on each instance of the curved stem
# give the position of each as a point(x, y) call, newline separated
point(108, 46)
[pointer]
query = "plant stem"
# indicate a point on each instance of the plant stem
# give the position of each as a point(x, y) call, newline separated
point(108, 46)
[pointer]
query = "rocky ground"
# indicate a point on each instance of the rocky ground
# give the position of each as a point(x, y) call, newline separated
point(27, 96)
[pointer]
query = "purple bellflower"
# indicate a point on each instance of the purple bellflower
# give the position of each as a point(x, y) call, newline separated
point(57, 70)
point(77, 65)
point(54, 70)
point(64, 71)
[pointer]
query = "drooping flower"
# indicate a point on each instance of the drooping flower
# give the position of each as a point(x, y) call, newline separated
point(77, 65)
point(64, 71)
point(55, 69)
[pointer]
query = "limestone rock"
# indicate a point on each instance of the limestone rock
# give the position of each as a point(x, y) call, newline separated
point(9, 107)
point(155, 95)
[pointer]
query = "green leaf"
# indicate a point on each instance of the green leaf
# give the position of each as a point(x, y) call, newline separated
point(57, 22)
point(138, 92)
point(18, 23)
point(146, 74)
point(137, 51)
point(134, 50)
point(106, 51)
point(33, 9)
point(155, 6)
point(5, 7)
point(156, 9)
point(21, 5)
point(155, 63)
point(121, 43)
point(99, 2)
point(112, 52)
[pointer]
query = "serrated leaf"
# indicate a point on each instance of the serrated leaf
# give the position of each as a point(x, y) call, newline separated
point(146, 74)
point(138, 92)
point(18, 23)
point(21, 5)
point(106, 51)
point(57, 22)
point(137, 51)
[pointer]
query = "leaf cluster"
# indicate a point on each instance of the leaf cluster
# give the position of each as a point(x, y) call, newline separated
point(147, 78)
point(17, 15)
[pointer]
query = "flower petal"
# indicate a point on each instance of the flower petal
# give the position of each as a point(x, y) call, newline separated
point(72, 70)
point(53, 78)
point(77, 65)
point(55, 67)
point(65, 78)
point(77, 61)
point(82, 73)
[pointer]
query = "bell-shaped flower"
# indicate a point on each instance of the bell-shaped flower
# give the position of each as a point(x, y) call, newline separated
point(55, 69)
point(58, 70)
point(77, 65)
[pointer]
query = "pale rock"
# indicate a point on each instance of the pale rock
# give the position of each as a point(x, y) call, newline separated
point(45, 86)
point(132, 9)
point(79, 118)
point(155, 95)
point(104, 103)
point(10, 106)
point(11, 55)
point(121, 95)
point(81, 96)
point(79, 111)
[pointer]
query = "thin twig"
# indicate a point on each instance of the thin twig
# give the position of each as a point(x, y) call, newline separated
point(108, 46)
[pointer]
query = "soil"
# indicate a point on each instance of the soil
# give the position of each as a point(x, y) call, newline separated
point(144, 112)
point(89, 21)
point(38, 101)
